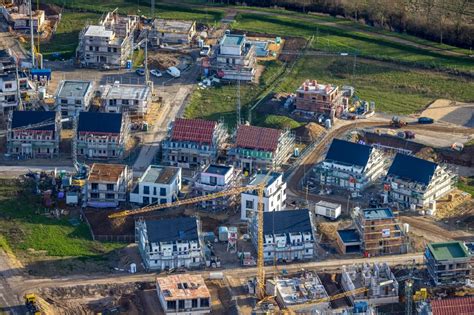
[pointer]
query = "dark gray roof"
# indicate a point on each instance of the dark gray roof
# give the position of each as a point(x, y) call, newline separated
point(286, 221)
point(217, 169)
point(349, 153)
point(349, 236)
point(412, 168)
point(25, 118)
point(99, 122)
point(169, 230)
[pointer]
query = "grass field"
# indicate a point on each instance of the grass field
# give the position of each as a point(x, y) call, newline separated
point(393, 89)
point(24, 230)
point(467, 185)
point(332, 39)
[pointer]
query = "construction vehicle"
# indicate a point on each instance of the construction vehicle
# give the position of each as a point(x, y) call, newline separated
point(31, 304)
point(260, 287)
point(397, 122)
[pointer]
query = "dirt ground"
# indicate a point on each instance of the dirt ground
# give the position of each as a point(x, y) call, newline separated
point(451, 112)
point(292, 47)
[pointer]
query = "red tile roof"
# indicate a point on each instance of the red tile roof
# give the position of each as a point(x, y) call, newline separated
point(453, 306)
point(251, 137)
point(196, 130)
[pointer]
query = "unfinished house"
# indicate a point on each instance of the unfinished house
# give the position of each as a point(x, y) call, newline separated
point(259, 148)
point(348, 241)
point(193, 143)
point(183, 294)
point(381, 231)
point(413, 182)
point(377, 278)
point(109, 43)
point(448, 264)
point(172, 32)
point(319, 98)
point(170, 243)
point(274, 195)
point(158, 185)
point(102, 135)
point(73, 97)
point(19, 17)
point(296, 294)
point(26, 138)
point(235, 59)
point(134, 99)
point(9, 94)
point(288, 235)
point(108, 185)
point(350, 165)
point(215, 178)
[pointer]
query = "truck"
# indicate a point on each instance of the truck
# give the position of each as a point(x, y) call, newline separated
point(397, 122)
point(328, 209)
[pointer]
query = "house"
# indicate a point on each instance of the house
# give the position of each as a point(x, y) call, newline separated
point(350, 165)
point(413, 182)
point(102, 135)
point(235, 59)
point(183, 294)
point(9, 94)
point(448, 264)
point(259, 148)
point(74, 96)
point(348, 241)
point(132, 98)
point(158, 185)
point(274, 195)
point(320, 98)
point(193, 143)
point(215, 178)
point(288, 235)
point(26, 140)
point(381, 231)
point(108, 43)
point(170, 243)
point(19, 17)
point(172, 32)
point(108, 185)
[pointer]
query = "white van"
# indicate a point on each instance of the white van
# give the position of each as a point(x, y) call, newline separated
point(174, 72)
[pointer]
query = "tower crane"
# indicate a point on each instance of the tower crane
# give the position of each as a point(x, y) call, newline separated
point(260, 188)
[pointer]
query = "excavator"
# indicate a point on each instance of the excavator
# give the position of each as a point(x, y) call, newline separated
point(31, 304)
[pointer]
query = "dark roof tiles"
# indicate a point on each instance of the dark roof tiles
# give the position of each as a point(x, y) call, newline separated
point(194, 130)
point(25, 118)
point(412, 168)
point(349, 153)
point(286, 221)
point(99, 122)
point(170, 230)
point(259, 138)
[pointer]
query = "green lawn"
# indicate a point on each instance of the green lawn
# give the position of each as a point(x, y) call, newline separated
point(221, 102)
point(467, 185)
point(22, 229)
point(393, 89)
point(332, 39)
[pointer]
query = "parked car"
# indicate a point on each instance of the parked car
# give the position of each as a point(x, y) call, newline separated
point(409, 134)
point(205, 50)
point(425, 120)
point(156, 73)
point(174, 72)
point(140, 72)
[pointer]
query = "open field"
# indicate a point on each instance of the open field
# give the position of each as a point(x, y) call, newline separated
point(332, 39)
point(467, 184)
point(37, 238)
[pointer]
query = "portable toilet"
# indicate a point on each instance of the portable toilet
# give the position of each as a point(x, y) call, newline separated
point(129, 64)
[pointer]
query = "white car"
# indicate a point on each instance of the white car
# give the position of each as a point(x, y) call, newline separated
point(174, 72)
point(156, 73)
point(205, 50)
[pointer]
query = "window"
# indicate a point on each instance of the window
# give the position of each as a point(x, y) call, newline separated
point(146, 200)
point(109, 196)
point(63, 101)
point(249, 204)
point(78, 102)
point(154, 191)
point(110, 186)
point(146, 190)
point(94, 195)
point(8, 85)
point(204, 302)
point(95, 186)
point(181, 304)
point(162, 191)
point(163, 200)
point(194, 303)
point(171, 305)
point(213, 180)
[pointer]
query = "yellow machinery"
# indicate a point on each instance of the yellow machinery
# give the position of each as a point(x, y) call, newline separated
point(231, 192)
point(420, 295)
point(31, 304)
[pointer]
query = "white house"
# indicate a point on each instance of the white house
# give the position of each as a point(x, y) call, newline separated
point(288, 235)
point(183, 294)
point(414, 182)
point(170, 243)
point(350, 165)
point(274, 197)
point(108, 184)
point(158, 185)
point(213, 179)
point(73, 96)
point(132, 98)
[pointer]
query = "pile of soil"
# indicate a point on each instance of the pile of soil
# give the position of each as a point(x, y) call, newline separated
point(292, 47)
point(162, 61)
point(310, 132)
point(427, 153)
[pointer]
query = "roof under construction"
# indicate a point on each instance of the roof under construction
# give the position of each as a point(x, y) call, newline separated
point(453, 306)
point(194, 130)
point(74, 88)
point(258, 138)
point(160, 174)
point(182, 287)
point(127, 91)
point(101, 172)
point(448, 250)
point(173, 26)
